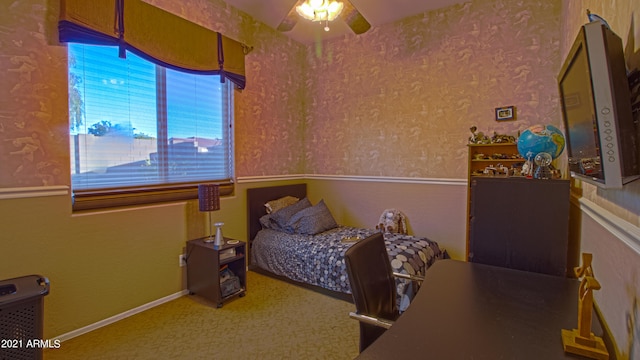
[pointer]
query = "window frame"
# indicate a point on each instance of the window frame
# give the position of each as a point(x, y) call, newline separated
point(110, 197)
point(131, 196)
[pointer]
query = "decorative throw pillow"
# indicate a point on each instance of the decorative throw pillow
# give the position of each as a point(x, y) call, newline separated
point(312, 220)
point(282, 216)
point(266, 222)
point(275, 205)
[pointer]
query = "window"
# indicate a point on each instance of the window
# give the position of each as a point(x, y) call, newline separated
point(137, 128)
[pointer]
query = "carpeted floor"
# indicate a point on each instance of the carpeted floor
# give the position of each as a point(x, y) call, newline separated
point(275, 320)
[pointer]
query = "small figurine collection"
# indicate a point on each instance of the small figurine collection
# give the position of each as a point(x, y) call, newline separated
point(538, 167)
point(478, 137)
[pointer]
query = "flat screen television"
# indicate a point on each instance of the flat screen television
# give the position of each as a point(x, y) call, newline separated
point(602, 139)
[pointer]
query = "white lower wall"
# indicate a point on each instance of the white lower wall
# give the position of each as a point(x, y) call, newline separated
point(615, 245)
point(435, 208)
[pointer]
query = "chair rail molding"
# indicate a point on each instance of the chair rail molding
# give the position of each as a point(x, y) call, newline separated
point(381, 179)
point(627, 232)
point(30, 192)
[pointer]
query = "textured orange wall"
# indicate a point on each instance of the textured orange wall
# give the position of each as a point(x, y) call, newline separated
point(395, 101)
point(399, 100)
point(34, 119)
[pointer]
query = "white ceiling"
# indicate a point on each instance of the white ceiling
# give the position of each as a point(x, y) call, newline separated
point(377, 12)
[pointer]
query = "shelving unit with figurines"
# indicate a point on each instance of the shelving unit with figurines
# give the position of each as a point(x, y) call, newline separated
point(493, 156)
point(500, 159)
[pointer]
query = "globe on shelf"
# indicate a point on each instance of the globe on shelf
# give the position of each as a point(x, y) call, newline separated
point(541, 138)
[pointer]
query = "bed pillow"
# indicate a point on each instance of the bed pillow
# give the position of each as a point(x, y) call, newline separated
point(282, 216)
point(312, 220)
point(266, 222)
point(277, 204)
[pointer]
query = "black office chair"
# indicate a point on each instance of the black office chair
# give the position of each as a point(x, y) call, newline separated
point(373, 287)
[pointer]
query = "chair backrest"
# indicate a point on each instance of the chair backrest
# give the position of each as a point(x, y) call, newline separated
point(372, 284)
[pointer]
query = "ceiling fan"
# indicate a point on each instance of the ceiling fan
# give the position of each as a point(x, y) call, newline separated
point(325, 11)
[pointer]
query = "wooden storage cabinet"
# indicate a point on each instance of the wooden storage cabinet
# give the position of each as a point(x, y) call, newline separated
point(483, 155)
point(520, 223)
point(204, 263)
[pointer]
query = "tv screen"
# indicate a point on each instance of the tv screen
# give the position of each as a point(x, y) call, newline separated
point(596, 108)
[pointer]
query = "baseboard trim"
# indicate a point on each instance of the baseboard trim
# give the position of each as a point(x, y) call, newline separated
point(108, 321)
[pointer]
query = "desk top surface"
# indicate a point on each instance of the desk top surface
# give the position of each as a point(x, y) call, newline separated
point(473, 311)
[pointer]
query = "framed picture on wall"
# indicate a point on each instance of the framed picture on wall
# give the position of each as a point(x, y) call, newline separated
point(505, 113)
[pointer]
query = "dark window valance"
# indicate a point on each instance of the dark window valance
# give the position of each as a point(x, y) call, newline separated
point(154, 34)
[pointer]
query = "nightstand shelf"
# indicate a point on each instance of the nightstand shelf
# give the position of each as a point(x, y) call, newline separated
point(204, 264)
point(232, 259)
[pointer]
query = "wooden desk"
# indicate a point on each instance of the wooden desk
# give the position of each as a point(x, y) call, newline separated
point(474, 311)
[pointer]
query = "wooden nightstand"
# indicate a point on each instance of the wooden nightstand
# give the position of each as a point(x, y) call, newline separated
point(204, 264)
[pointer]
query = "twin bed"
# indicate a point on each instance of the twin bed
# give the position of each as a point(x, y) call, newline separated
point(301, 243)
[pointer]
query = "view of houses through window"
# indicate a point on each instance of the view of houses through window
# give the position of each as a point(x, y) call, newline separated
point(134, 123)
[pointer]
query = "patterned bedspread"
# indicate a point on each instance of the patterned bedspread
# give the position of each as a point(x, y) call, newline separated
point(319, 259)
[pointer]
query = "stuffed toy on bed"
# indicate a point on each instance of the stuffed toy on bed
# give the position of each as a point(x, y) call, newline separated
point(392, 221)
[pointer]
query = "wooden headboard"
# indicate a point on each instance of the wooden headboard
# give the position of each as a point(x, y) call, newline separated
point(257, 197)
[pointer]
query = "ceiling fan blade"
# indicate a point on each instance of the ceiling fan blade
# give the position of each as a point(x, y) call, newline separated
point(290, 20)
point(352, 17)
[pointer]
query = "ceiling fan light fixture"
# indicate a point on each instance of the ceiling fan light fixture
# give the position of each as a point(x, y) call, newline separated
point(306, 11)
point(320, 10)
point(335, 8)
